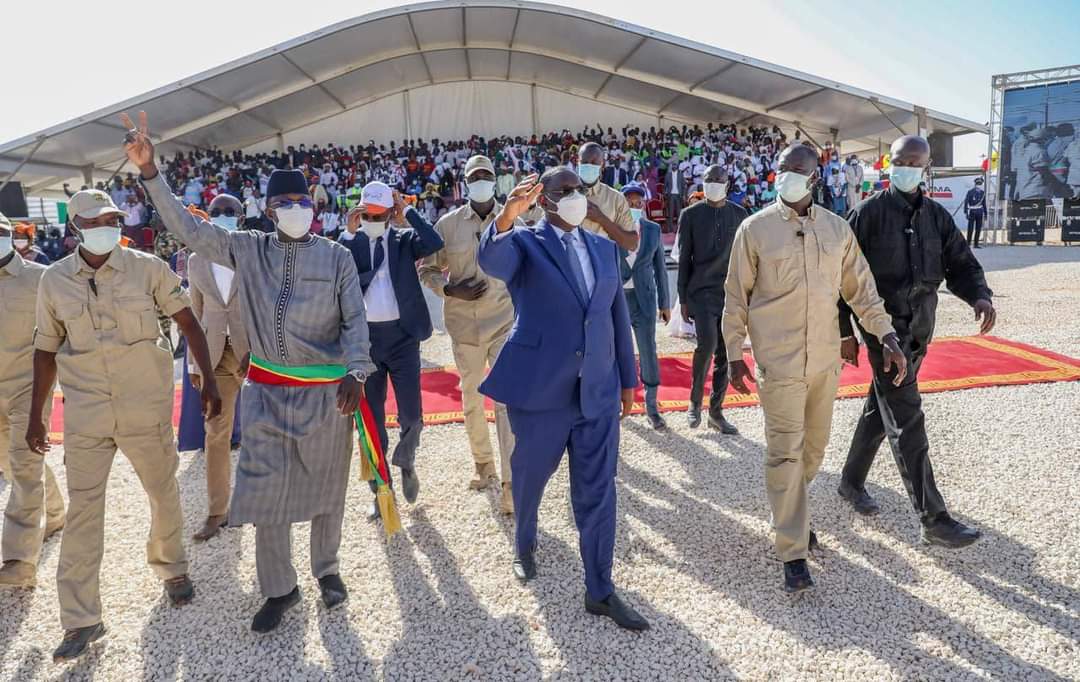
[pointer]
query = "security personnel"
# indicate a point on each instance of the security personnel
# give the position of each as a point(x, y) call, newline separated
point(912, 244)
point(479, 314)
point(787, 264)
point(97, 323)
point(33, 486)
point(706, 232)
point(609, 212)
point(975, 210)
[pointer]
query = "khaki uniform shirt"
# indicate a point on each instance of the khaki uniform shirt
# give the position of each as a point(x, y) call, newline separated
point(612, 204)
point(115, 367)
point(472, 322)
point(18, 293)
point(784, 288)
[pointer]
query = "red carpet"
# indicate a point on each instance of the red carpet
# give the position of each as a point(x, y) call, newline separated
point(953, 363)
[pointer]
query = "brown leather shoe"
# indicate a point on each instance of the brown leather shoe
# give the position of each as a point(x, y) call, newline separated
point(17, 573)
point(506, 501)
point(484, 473)
point(211, 528)
point(53, 528)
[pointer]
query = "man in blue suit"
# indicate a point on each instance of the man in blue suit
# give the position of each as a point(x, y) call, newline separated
point(645, 283)
point(397, 314)
point(563, 372)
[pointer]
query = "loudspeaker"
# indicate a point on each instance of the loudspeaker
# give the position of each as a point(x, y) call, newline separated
point(1027, 220)
point(13, 201)
point(940, 150)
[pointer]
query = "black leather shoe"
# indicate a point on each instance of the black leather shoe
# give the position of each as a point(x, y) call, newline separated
point(525, 566)
point(180, 590)
point(76, 641)
point(813, 545)
point(722, 425)
point(657, 422)
point(860, 499)
point(271, 613)
point(946, 531)
point(617, 610)
point(410, 485)
point(373, 512)
point(797, 576)
point(333, 591)
point(693, 415)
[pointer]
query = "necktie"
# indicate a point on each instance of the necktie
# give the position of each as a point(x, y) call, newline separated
point(376, 261)
point(575, 265)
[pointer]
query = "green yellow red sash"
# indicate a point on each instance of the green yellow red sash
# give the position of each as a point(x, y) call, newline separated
point(372, 460)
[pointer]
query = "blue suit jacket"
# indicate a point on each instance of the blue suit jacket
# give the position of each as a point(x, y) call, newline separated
point(403, 249)
point(649, 271)
point(559, 338)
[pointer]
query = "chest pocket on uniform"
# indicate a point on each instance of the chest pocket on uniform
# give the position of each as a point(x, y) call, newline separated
point(81, 335)
point(137, 319)
point(933, 269)
point(830, 258)
point(783, 265)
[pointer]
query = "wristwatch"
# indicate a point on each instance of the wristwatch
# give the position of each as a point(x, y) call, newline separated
point(358, 375)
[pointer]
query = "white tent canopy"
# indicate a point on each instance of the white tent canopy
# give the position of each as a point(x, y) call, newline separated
point(448, 69)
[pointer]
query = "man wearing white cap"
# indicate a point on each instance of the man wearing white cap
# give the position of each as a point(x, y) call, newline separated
point(397, 314)
point(478, 314)
point(33, 486)
point(97, 326)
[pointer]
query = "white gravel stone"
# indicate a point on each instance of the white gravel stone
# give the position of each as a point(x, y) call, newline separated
point(693, 553)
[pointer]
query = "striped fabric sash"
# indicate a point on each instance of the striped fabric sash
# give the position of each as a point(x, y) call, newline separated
point(373, 463)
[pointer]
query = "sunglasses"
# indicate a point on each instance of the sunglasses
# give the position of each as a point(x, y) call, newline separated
point(215, 212)
point(559, 194)
point(286, 204)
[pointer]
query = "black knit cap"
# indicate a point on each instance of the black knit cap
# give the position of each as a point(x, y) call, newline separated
point(286, 182)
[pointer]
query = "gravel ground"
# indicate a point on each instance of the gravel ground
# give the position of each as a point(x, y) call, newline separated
point(693, 553)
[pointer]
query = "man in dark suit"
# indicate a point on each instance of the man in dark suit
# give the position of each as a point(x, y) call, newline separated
point(397, 314)
point(674, 191)
point(565, 369)
point(644, 275)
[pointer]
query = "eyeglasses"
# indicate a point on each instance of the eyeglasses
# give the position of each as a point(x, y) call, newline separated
point(287, 204)
point(215, 212)
point(563, 193)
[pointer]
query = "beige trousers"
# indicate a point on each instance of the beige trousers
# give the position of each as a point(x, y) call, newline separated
point(219, 430)
point(34, 492)
point(472, 361)
point(88, 461)
point(798, 417)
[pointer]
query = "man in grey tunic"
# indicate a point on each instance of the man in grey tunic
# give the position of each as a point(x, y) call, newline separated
point(302, 307)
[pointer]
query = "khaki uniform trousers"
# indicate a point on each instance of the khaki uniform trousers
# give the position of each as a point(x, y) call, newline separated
point(472, 361)
point(219, 433)
point(33, 485)
point(798, 417)
point(88, 460)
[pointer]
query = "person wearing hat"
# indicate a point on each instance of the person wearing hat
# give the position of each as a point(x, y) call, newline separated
point(478, 314)
point(397, 315)
point(975, 212)
point(303, 311)
point(97, 327)
point(644, 276)
point(22, 240)
point(34, 492)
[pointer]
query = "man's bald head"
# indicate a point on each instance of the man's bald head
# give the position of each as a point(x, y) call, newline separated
point(798, 158)
point(910, 150)
point(591, 152)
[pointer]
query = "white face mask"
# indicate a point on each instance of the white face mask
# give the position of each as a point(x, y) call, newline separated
point(373, 228)
point(792, 187)
point(5, 246)
point(481, 190)
point(715, 191)
point(226, 221)
point(100, 240)
point(21, 244)
point(295, 221)
point(573, 209)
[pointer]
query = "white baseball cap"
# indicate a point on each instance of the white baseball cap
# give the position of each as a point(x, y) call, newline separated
point(377, 198)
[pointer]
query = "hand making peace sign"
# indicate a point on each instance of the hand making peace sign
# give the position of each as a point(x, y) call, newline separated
point(137, 144)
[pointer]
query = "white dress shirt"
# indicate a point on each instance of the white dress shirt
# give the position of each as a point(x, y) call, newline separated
point(379, 299)
point(223, 277)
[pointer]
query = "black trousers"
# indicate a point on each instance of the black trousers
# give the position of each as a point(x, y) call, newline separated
point(710, 350)
point(975, 224)
point(896, 412)
point(396, 355)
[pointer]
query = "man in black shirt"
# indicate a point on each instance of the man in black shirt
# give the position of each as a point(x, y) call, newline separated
point(706, 231)
point(912, 245)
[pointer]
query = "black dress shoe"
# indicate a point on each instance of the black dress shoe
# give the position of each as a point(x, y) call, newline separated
point(722, 425)
point(657, 422)
point(797, 576)
point(271, 613)
point(525, 566)
point(373, 512)
point(813, 545)
point(693, 415)
point(860, 499)
point(76, 641)
point(946, 531)
point(617, 610)
point(333, 590)
point(410, 485)
point(180, 590)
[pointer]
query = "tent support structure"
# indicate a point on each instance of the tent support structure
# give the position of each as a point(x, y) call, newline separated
point(30, 155)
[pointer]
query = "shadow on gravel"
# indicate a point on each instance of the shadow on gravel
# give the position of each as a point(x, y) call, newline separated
point(852, 606)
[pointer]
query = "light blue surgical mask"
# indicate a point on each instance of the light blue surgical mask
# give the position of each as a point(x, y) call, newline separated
point(635, 213)
point(906, 178)
point(5, 246)
point(589, 173)
point(226, 221)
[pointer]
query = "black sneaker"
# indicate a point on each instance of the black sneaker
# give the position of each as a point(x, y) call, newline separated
point(945, 531)
point(859, 499)
point(719, 423)
point(410, 485)
point(333, 591)
point(76, 641)
point(657, 422)
point(180, 590)
point(271, 613)
point(797, 576)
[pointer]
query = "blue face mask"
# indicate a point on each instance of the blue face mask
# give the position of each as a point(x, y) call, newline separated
point(635, 213)
point(226, 221)
point(589, 173)
point(906, 178)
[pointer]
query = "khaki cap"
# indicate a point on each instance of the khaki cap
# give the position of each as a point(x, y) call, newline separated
point(478, 162)
point(91, 203)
